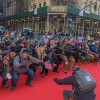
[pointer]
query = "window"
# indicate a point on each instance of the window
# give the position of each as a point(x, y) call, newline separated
point(95, 6)
point(86, 2)
point(34, 6)
point(40, 5)
point(31, 7)
point(44, 4)
point(61, 2)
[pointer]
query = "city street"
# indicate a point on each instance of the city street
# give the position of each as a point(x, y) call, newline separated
point(49, 49)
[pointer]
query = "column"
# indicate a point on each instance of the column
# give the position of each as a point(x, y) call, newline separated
point(64, 29)
point(91, 27)
point(83, 28)
point(38, 23)
point(48, 25)
point(76, 27)
point(28, 24)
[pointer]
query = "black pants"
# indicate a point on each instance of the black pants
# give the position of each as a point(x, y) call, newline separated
point(69, 94)
point(34, 66)
point(15, 76)
point(44, 71)
point(3, 75)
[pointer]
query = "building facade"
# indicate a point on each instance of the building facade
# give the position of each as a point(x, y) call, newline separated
point(4, 8)
point(1, 8)
point(11, 7)
point(69, 16)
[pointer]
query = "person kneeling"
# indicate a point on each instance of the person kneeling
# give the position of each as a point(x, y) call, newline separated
point(83, 85)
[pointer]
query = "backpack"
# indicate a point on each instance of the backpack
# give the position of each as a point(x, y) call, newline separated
point(85, 80)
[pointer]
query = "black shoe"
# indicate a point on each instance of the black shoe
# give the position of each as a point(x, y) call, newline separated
point(29, 84)
point(5, 86)
point(12, 89)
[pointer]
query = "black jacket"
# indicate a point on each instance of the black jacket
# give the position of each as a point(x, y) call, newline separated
point(80, 95)
point(69, 50)
point(1, 65)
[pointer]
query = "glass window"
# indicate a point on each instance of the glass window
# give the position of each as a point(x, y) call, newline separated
point(95, 6)
point(44, 4)
point(34, 6)
point(40, 5)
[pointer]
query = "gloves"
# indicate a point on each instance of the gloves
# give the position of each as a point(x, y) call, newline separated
point(22, 66)
point(8, 76)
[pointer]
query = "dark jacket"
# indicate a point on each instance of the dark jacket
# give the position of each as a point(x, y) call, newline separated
point(94, 49)
point(69, 50)
point(1, 65)
point(80, 95)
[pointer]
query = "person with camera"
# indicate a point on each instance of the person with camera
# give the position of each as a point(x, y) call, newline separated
point(83, 85)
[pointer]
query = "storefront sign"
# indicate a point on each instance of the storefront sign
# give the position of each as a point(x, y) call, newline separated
point(57, 9)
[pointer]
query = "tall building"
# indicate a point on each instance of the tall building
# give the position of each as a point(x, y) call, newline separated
point(4, 8)
point(21, 6)
point(1, 8)
point(11, 7)
point(70, 16)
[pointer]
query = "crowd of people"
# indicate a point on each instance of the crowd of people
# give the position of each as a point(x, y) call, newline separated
point(20, 55)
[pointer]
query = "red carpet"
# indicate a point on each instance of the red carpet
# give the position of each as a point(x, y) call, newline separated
point(45, 88)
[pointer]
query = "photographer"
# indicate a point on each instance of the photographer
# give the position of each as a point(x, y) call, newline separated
point(77, 93)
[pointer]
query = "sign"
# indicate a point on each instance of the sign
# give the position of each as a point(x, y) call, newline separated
point(57, 9)
point(81, 13)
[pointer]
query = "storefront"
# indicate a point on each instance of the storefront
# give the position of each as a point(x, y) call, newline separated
point(55, 19)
